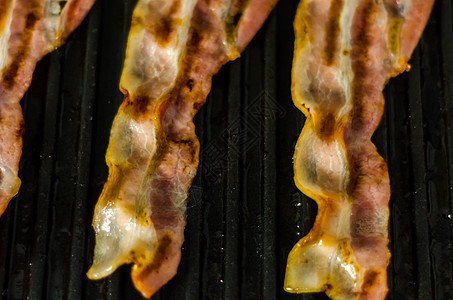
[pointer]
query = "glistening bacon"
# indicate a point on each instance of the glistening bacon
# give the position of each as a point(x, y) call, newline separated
point(174, 49)
point(345, 52)
point(29, 29)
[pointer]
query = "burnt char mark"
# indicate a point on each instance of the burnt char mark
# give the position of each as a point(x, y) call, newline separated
point(327, 127)
point(164, 28)
point(31, 21)
point(190, 84)
point(369, 281)
point(204, 54)
point(187, 89)
point(20, 131)
point(187, 142)
point(333, 31)
point(360, 55)
point(193, 44)
point(12, 71)
point(189, 145)
point(201, 54)
point(354, 171)
point(233, 19)
point(197, 106)
point(191, 149)
point(204, 22)
point(159, 256)
point(138, 105)
point(138, 258)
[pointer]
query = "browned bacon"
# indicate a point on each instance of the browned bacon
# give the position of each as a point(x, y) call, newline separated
point(345, 52)
point(29, 29)
point(174, 49)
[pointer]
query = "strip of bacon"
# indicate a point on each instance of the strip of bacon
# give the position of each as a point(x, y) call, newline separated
point(174, 49)
point(345, 52)
point(29, 29)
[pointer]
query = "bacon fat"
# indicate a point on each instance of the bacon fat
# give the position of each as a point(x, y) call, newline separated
point(345, 52)
point(174, 49)
point(29, 29)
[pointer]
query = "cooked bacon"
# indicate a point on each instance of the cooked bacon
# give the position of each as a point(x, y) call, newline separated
point(29, 29)
point(345, 52)
point(174, 49)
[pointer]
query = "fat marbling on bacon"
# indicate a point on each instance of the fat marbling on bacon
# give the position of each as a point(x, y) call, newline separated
point(345, 52)
point(174, 49)
point(29, 29)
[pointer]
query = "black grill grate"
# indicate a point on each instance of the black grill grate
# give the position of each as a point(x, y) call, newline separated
point(245, 212)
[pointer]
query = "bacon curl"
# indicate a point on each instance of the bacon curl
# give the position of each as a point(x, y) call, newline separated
point(345, 52)
point(174, 49)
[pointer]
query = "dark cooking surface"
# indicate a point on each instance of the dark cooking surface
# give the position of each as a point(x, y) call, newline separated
point(244, 211)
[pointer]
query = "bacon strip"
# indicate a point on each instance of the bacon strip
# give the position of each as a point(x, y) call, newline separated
point(29, 29)
point(345, 52)
point(174, 49)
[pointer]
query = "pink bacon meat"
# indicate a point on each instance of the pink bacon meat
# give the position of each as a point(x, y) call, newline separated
point(174, 49)
point(345, 52)
point(29, 29)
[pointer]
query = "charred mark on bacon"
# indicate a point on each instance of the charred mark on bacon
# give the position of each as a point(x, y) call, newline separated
point(190, 83)
point(20, 131)
point(233, 19)
point(163, 28)
point(159, 256)
point(360, 53)
point(190, 145)
point(197, 106)
point(10, 74)
point(333, 31)
point(140, 104)
point(327, 127)
point(369, 281)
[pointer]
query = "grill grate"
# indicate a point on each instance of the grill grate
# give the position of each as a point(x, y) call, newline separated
point(244, 211)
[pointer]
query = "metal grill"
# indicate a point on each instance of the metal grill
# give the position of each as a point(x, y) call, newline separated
point(244, 211)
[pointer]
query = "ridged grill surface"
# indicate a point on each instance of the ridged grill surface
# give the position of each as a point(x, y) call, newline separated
point(244, 211)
